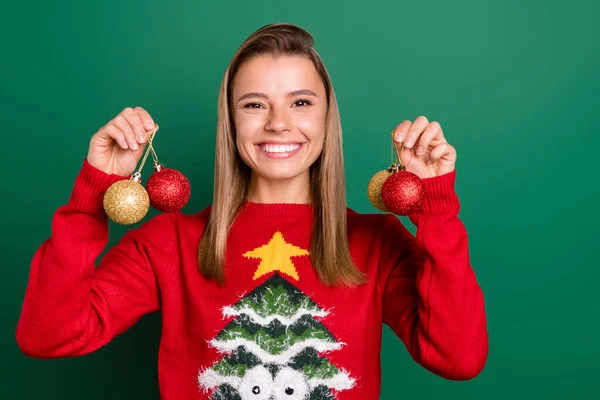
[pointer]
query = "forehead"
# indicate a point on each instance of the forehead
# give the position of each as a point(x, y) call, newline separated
point(267, 73)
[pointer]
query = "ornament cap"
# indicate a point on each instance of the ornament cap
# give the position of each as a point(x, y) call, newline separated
point(136, 177)
point(395, 167)
point(158, 166)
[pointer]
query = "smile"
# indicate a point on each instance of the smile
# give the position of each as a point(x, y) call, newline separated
point(278, 150)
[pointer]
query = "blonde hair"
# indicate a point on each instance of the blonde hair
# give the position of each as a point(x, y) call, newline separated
point(329, 250)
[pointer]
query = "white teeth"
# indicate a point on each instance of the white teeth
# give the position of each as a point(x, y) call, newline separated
point(273, 148)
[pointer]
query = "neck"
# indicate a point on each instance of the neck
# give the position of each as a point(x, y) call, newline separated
point(293, 190)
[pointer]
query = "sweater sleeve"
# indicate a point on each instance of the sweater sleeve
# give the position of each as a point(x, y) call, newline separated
point(70, 307)
point(431, 298)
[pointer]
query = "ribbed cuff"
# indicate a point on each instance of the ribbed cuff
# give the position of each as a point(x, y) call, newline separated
point(89, 188)
point(441, 197)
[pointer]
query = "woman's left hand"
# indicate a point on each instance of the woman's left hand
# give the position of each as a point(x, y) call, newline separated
point(425, 152)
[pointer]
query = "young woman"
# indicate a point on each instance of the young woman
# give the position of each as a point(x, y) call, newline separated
point(277, 290)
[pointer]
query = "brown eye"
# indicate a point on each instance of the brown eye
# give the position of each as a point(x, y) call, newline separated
point(250, 105)
point(303, 101)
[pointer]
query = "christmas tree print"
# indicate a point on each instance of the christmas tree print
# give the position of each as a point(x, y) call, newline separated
point(274, 346)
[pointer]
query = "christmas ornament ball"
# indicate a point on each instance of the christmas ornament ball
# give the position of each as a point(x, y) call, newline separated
point(126, 202)
point(169, 189)
point(403, 192)
point(374, 189)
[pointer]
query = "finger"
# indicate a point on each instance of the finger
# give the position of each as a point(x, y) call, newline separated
point(114, 132)
point(121, 122)
point(401, 130)
point(136, 124)
point(415, 131)
point(432, 131)
point(442, 150)
point(145, 117)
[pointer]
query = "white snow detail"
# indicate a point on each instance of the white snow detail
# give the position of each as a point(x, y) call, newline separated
point(265, 357)
point(341, 381)
point(209, 379)
point(264, 321)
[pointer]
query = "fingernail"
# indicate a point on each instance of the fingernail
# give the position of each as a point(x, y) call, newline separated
point(141, 137)
point(408, 142)
point(134, 145)
point(149, 124)
point(420, 150)
point(399, 137)
point(124, 144)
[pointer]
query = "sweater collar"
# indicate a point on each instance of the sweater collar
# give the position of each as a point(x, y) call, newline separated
point(251, 208)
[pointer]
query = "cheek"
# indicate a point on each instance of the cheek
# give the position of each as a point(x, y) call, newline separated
point(243, 144)
point(245, 128)
point(248, 122)
point(244, 150)
point(313, 128)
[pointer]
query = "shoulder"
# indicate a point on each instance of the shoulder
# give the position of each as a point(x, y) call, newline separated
point(365, 220)
point(200, 216)
point(192, 224)
point(371, 224)
point(160, 226)
point(157, 230)
point(376, 223)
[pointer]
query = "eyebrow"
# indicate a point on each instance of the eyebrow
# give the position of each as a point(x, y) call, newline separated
point(305, 92)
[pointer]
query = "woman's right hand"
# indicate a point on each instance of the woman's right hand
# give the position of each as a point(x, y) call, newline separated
point(118, 146)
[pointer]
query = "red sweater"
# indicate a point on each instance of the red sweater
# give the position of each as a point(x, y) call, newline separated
point(274, 329)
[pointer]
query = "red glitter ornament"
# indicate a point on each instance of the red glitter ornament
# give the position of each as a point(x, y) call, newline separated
point(169, 189)
point(403, 192)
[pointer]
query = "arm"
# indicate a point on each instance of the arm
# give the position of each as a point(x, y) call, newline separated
point(71, 307)
point(431, 298)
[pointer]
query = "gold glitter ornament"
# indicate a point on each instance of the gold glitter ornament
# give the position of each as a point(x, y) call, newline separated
point(126, 201)
point(374, 189)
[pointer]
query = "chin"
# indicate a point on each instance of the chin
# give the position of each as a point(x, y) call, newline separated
point(279, 174)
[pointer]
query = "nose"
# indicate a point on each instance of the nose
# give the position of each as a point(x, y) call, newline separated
point(279, 119)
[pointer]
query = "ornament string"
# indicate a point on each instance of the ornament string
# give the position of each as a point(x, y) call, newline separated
point(392, 151)
point(149, 149)
point(398, 162)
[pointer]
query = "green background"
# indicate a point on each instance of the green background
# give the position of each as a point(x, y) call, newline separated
point(514, 85)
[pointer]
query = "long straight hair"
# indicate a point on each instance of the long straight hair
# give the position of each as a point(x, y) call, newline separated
point(329, 250)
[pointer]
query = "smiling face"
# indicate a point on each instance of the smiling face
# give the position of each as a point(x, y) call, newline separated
point(279, 107)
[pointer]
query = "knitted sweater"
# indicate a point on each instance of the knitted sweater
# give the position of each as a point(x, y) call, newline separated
point(274, 331)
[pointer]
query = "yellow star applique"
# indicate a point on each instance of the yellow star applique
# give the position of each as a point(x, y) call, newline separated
point(276, 256)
